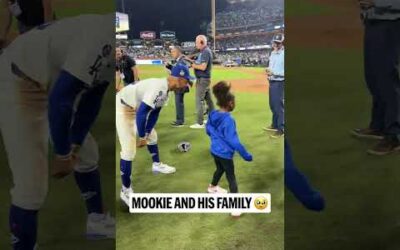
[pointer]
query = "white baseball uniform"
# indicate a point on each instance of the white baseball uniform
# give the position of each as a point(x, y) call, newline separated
point(28, 67)
point(154, 93)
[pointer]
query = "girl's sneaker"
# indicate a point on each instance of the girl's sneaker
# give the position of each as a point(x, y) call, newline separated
point(236, 214)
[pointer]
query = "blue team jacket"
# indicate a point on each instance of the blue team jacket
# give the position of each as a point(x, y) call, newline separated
point(221, 128)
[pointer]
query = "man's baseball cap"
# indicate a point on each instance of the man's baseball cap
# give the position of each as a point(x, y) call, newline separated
point(278, 38)
point(181, 70)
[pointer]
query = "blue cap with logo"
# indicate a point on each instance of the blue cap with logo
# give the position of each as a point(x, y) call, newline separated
point(181, 70)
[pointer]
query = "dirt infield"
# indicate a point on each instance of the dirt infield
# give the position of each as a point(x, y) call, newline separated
point(245, 80)
point(257, 84)
point(340, 29)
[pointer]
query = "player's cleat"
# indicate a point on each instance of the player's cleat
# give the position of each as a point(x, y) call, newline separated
point(270, 128)
point(277, 134)
point(177, 124)
point(216, 189)
point(236, 214)
point(385, 147)
point(197, 126)
point(163, 168)
point(367, 133)
point(100, 226)
point(125, 193)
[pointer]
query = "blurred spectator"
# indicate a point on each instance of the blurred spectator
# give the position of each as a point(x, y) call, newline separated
point(28, 13)
point(126, 67)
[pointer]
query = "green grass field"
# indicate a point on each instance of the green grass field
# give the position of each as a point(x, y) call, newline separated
point(361, 190)
point(326, 97)
point(63, 217)
point(194, 170)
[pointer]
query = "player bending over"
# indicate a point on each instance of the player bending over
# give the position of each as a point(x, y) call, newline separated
point(52, 80)
point(137, 109)
point(221, 128)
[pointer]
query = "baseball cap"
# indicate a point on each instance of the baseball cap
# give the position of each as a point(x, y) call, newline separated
point(181, 70)
point(278, 38)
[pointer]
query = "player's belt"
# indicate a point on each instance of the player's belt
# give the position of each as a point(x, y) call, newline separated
point(18, 72)
point(276, 78)
point(126, 104)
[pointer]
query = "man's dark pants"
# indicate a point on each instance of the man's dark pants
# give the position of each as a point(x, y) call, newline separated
point(276, 96)
point(180, 107)
point(381, 66)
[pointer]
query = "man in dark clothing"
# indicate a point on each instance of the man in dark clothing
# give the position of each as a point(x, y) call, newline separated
point(126, 67)
point(178, 56)
point(381, 63)
point(29, 14)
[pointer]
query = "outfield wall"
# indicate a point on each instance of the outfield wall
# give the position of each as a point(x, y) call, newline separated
point(149, 62)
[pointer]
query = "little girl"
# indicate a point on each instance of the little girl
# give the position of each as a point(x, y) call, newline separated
point(221, 128)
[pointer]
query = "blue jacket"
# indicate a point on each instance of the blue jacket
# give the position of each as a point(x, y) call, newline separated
point(299, 185)
point(221, 128)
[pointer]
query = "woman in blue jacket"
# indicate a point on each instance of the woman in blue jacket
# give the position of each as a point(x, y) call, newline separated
point(221, 128)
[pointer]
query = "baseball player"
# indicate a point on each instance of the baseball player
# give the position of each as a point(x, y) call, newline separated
point(52, 81)
point(137, 109)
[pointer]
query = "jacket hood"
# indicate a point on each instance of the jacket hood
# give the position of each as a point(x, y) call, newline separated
point(216, 118)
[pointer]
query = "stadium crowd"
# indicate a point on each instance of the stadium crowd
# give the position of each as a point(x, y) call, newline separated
point(238, 14)
point(148, 52)
point(243, 41)
point(249, 58)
